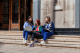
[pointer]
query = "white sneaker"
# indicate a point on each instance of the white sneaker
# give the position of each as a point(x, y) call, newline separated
point(23, 40)
point(43, 42)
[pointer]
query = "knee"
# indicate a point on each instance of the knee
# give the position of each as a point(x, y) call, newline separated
point(45, 33)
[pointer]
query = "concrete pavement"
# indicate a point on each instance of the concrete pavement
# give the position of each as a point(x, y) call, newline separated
point(7, 48)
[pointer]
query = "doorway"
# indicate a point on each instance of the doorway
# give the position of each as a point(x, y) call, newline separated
point(26, 9)
point(4, 14)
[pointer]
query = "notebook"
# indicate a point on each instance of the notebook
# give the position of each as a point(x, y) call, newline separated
point(28, 28)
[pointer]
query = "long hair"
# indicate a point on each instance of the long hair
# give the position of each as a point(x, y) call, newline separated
point(38, 21)
point(48, 18)
point(29, 18)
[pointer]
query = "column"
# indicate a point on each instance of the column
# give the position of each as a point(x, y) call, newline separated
point(36, 6)
point(77, 13)
point(46, 10)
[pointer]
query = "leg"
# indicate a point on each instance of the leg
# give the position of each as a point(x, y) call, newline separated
point(26, 35)
point(37, 36)
point(32, 41)
point(47, 35)
point(23, 34)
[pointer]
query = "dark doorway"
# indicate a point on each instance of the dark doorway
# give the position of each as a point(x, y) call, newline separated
point(22, 11)
point(4, 14)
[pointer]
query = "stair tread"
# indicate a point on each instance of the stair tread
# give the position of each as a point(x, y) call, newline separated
point(11, 34)
point(62, 40)
point(51, 45)
point(67, 36)
point(10, 38)
point(58, 45)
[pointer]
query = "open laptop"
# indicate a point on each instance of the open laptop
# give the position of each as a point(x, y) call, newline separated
point(28, 28)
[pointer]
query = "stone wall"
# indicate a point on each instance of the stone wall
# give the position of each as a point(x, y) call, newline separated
point(46, 9)
point(62, 12)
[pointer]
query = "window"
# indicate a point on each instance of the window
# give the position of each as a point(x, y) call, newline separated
point(15, 7)
point(6, 12)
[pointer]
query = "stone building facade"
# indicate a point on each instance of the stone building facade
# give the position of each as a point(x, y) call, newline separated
point(64, 13)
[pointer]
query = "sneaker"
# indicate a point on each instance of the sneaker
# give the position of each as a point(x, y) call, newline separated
point(36, 42)
point(42, 42)
point(23, 40)
point(31, 45)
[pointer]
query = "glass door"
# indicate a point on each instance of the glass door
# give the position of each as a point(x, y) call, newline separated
point(15, 23)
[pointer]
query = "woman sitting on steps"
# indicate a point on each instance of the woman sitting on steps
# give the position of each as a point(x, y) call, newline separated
point(44, 32)
point(29, 22)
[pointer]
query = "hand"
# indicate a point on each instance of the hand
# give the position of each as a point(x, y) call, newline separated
point(25, 28)
point(34, 31)
point(41, 25)
point(47, 29)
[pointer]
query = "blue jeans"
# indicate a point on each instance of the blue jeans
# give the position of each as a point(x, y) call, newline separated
point(26, 33)
point(46, 34)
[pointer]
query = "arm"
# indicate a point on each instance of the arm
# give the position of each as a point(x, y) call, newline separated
point(52, 26)
point(43, 26)
point(25, 24)
point(33, 28)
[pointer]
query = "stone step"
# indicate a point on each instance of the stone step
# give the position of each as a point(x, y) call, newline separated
point(11, 42)
point(67, 36)
point(52, 41)
point(11, 32)
point(52, 37)
point(12, 35)
point(46, 45)
point(57, 45)
point(60, 40)
point(12, 38)
point(61, 45)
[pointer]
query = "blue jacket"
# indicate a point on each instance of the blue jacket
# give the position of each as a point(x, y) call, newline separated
point(49, 26)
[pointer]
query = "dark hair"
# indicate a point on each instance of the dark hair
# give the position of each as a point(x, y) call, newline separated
point(48, 18)
point(29, 18)
point(38, 21)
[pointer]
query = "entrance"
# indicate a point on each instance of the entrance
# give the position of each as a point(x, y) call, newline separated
point(13, 13)
point(4, 14)
point(26, 9)
point(21, 9)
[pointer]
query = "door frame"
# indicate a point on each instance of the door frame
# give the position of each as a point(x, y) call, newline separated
point(13, 25)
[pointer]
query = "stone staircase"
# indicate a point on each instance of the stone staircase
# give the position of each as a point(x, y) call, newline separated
point(16, 37)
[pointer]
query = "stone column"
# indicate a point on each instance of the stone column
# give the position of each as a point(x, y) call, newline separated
point(77, 13)
point(46, 10)
point(36, 9)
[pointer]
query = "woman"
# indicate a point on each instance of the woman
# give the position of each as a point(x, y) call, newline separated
point(36, 33)
point(47, 29)
point(29, 22)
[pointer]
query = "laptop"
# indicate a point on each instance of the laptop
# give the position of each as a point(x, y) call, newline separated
point(28, 28)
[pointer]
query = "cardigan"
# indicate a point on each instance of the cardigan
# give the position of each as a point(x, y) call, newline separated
point(40, 29)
